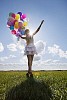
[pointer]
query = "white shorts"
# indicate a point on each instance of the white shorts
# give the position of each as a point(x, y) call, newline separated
point(30, 49)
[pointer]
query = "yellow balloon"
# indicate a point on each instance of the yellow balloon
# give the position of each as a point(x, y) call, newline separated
point(17, 17)
point(16, 25)
point(25, 24)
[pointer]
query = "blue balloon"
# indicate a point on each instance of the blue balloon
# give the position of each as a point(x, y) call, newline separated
point(19, 30)
point(11, 27)
point(22, 32)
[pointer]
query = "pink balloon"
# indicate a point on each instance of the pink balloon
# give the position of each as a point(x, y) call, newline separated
point(14, 22)
point(13, 32)
point(13, 15)
point(23, 16)
point(11, 19)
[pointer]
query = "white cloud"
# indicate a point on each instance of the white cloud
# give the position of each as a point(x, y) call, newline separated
point(23, 60)
point(66, 52)
point(20, 46)
point(12, 66)
point(48, 61)
point(11, 56)
point(55, 49)
point(37, 57)
point(55, 61)
point(36, 66)
point(14, 38)
point(57, 46)
point(40, 46)
point(12, 47)
point(1, 47)
point(3, 58)
point(44, 65)
point(7, 57)
point(61, 53)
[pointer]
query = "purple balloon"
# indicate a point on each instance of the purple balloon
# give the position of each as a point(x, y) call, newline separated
point(9, 23)
point(21, 19)
point(20, 13)
point(17, 34)
point(19, 30)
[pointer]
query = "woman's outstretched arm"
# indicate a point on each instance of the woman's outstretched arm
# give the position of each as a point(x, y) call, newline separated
point(38, 27)
point(22, 37)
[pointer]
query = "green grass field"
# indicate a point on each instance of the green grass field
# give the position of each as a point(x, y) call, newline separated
point(45, 85)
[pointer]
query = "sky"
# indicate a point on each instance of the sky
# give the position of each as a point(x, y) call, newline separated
point(50, 41)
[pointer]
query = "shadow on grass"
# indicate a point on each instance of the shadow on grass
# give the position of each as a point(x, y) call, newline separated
point(30, 89)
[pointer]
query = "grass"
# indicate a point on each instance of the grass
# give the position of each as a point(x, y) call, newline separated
point(46, 85)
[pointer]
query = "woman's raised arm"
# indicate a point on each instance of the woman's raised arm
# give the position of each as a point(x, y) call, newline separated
point(38, 27)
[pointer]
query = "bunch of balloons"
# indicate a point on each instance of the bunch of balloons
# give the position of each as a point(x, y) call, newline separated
point(17, 23)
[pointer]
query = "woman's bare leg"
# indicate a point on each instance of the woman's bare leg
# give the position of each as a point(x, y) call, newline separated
point(29, 63)
point(32, 56)
point(30, 60)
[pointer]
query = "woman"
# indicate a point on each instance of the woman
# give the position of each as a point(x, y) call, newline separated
point(30, 48)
